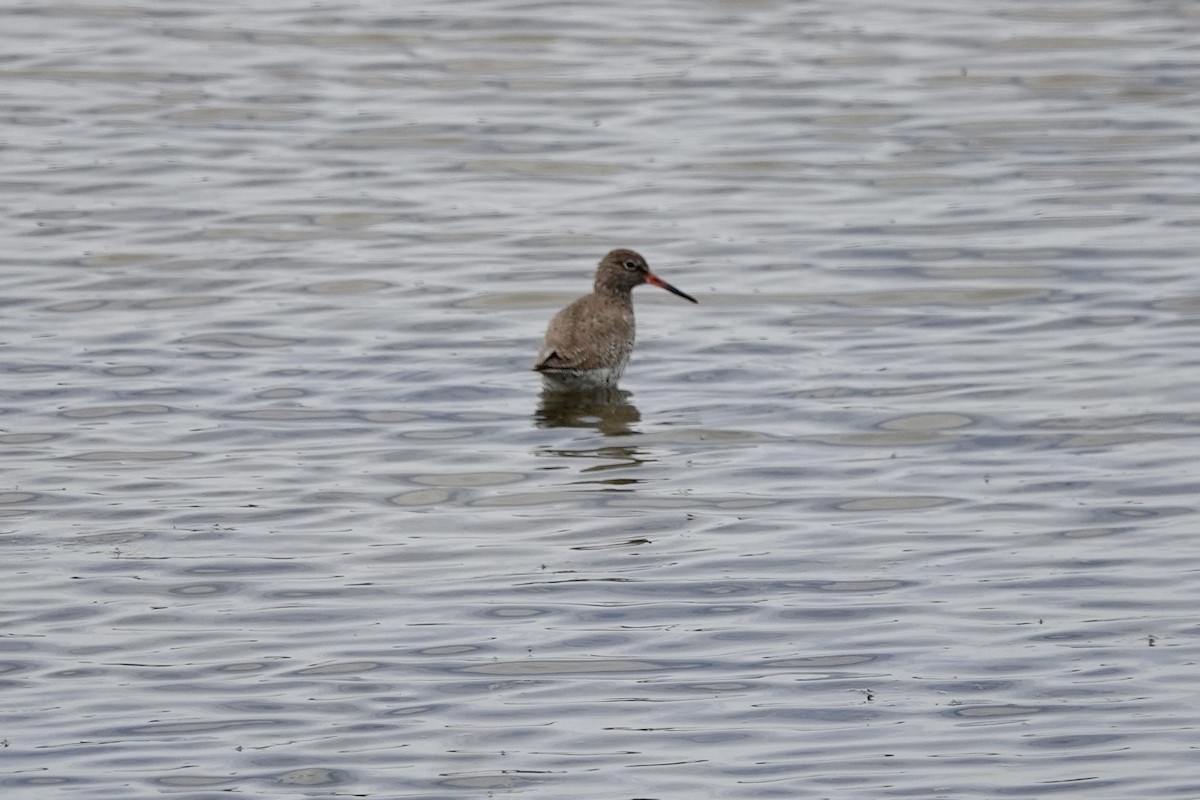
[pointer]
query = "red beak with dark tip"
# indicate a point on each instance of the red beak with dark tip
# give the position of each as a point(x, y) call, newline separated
point(657, 281)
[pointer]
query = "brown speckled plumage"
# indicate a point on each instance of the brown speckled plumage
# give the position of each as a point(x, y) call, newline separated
point(588, 343)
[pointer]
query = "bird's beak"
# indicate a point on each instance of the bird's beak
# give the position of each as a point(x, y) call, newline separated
point(657, 281)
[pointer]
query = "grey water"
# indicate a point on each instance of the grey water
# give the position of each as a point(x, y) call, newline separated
point(905, 507)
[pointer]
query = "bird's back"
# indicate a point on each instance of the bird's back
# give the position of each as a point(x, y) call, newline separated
point(594, 334)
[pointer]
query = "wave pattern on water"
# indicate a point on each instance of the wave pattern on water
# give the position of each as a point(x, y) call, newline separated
point(905, 507)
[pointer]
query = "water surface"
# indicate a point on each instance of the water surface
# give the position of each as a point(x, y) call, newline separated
point(906, 507)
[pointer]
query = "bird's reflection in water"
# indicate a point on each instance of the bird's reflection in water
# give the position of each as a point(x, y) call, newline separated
point(605, 410)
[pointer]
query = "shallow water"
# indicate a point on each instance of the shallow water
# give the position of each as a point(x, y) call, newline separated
point(906, 507)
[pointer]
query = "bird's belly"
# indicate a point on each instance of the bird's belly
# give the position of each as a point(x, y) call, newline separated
point(577, 379)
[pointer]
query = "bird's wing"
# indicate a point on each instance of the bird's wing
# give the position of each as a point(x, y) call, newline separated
point(579, 339)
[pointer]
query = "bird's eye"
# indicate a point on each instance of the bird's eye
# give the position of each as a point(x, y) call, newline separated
point(631, 265)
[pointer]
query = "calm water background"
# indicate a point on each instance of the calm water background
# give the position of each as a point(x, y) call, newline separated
point(906, 507)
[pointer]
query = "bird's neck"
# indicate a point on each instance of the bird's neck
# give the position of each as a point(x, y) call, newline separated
point(615, 291)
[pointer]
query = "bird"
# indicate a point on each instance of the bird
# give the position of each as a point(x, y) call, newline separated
point(588, 343)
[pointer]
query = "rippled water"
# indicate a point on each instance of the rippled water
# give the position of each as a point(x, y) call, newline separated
point(906, 507)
